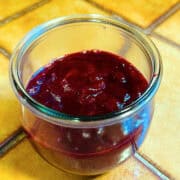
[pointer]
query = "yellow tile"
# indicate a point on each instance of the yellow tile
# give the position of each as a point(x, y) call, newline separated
point(15, 30)
point(141, 12)
point(25, 164)
point(9, 7)
point(171, 28)
point(131, 169)
point(162, 144)
point(10, 115)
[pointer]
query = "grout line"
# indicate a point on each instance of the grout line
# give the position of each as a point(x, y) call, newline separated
point(162, 18)
point(14, 139)
point(19, 135)
point(116, 15)
point(166, 40)
point(5, 52)
point(152, 166)
point(148, 30)
point(128, 23)
point(113, 13)
point(22, 12)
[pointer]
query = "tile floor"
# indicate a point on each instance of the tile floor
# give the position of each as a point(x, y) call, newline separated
point(162, 145)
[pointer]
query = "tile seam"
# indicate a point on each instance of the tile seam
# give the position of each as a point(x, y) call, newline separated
point(19, 135)
point(162, 18)
point(22, 12)
point(166, 40)
point(11, 141)
point(111, 12)
point(147, 29)
point(152, 166)
point(16, 137)
point(5, 52)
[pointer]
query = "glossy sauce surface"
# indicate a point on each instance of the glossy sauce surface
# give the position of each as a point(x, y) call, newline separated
point(87, 83)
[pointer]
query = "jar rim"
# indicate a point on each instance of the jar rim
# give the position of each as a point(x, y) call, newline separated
point(56, 117)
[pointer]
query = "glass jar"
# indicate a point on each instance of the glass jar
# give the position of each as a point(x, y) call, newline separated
point(85, 145)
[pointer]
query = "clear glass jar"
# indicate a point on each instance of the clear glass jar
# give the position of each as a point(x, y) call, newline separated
point(85, 145)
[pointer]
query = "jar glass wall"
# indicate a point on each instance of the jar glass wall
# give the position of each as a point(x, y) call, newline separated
point(85, 145)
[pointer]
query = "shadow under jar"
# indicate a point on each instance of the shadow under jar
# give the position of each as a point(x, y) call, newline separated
point(85, 145)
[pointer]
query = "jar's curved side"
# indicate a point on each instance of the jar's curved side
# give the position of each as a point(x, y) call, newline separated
point(89, 147)
point(57, 117)
point(88, 151)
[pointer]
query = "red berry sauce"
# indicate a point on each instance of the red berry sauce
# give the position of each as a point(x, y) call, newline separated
point(87, 83)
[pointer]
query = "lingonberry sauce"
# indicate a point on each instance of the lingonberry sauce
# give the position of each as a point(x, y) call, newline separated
point(87, 83)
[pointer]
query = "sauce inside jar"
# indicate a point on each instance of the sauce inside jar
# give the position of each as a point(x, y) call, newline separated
point(88, 83)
